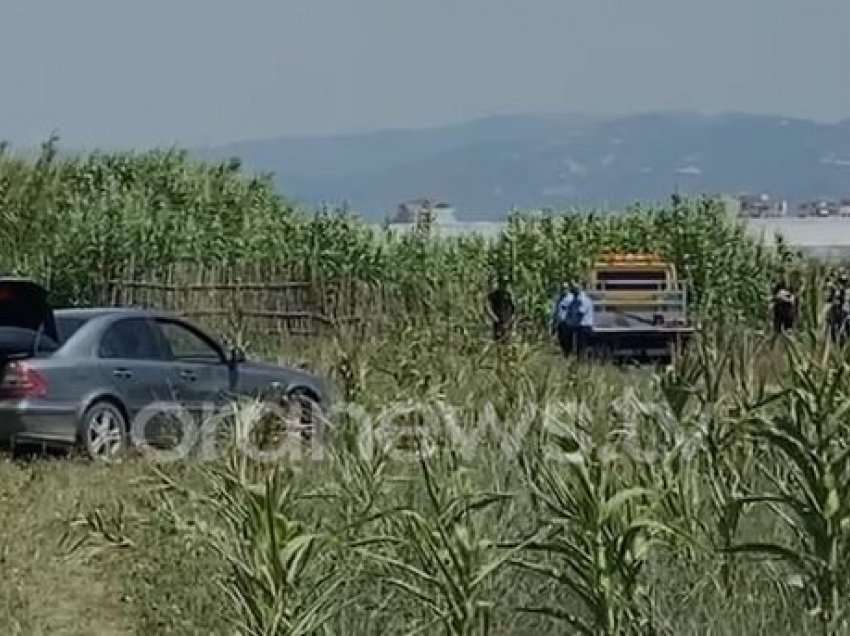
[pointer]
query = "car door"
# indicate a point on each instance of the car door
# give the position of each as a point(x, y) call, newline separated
point(134, 364)
point(199, 367)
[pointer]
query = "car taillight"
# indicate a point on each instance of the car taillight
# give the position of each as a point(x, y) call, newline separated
point(20, 380)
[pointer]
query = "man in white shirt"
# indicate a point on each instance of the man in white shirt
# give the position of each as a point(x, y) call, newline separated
point(574, 320)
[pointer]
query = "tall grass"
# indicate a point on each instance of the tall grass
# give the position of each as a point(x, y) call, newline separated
point(696, 499)
point(710, 497)
point(76, 222)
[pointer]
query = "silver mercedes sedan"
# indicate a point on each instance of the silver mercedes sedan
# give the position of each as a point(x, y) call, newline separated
point(81, 376)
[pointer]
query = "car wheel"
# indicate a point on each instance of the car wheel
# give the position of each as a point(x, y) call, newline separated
point(104, 431)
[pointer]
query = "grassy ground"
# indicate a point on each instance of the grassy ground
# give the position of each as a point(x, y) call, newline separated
point(142, 572)
point(42, 592)
point(131, 574)
point(200, 548)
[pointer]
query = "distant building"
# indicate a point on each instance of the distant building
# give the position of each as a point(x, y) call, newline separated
point(761, 205)
point(424, 210)
point(844, 207)
point(819, 207)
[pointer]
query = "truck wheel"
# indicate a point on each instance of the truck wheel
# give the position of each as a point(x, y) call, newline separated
point(104, 431)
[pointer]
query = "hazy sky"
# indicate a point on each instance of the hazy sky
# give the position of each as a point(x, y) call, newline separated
point(116, 72)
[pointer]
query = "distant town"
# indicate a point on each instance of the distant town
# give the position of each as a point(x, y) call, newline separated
point(759, 206)
point(765, 206)
point(819, 229)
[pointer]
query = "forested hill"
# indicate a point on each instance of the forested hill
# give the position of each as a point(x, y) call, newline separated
point(485, 167)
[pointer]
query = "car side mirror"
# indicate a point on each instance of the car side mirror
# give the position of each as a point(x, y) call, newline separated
point(237, 356)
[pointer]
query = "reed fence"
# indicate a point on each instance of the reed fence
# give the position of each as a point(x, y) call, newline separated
point(251, 298)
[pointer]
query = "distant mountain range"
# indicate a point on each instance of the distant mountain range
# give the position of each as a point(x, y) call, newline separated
point(487, 166)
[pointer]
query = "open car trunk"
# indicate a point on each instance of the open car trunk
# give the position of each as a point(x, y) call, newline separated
point(27, 325)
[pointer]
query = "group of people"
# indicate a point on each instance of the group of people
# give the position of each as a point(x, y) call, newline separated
point(785, 308)
point(571, 321)
point(572, 312)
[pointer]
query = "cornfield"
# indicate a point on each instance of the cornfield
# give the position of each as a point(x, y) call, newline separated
point(475, 489)
point(75, 223)
point(709, 497)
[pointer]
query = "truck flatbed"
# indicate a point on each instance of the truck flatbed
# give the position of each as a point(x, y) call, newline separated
point(642, 330)
point(640, 307)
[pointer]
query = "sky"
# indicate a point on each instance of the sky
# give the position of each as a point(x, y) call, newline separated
point(115, 73)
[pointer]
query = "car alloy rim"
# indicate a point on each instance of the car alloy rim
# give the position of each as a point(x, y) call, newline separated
point(104, 434)
point(305, 409)
point(300, 417)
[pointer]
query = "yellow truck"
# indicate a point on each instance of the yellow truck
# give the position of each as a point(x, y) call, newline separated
point(640, 307)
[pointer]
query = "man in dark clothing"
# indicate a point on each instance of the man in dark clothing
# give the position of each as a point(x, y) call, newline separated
point(838, 314)
point(837, 319)
point(555, 318)
point(501, 309)
point(784, 308)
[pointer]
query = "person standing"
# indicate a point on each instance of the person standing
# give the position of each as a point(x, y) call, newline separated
point(555, 319)
point(575, 321)
point(838, 313)
point(784, 308)
point(501, 310)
